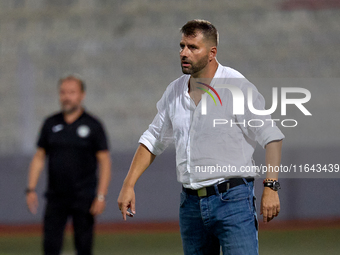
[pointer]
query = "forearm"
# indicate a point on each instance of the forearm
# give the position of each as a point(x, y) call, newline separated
point(273, 158)
point(141, 161)
point(104, 173)
point(35, 169)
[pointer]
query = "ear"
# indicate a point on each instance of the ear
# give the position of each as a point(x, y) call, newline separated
point(212, 53)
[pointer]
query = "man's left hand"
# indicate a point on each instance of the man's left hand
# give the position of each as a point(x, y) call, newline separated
point(97, 207)
point(270, 204)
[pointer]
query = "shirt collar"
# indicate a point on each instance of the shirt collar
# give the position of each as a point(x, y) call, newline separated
point(79, 118)
point(218, 74)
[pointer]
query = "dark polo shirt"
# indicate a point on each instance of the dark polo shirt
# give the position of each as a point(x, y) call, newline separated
point(71, 150)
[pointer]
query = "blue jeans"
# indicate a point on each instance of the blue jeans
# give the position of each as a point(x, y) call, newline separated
point(227, 220)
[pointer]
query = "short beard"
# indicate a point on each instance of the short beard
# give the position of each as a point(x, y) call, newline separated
point(71, 110)
point(198, 66)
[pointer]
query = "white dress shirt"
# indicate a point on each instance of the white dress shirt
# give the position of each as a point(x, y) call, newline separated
point(206, 153)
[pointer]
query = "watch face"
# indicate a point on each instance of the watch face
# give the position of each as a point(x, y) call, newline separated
point(276, 186)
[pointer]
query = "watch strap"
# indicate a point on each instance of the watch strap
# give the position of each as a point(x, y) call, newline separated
point(29, 190)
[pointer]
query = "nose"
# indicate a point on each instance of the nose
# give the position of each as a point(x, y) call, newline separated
point(64, 97)
point(183, 52)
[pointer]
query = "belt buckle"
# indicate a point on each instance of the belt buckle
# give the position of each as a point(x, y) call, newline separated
point(202, 192)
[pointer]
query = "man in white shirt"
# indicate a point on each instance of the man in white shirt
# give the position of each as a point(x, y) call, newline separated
point(214, 146)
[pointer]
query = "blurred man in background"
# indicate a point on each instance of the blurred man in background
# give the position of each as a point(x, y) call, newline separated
point(74, 143)
point(217, 210)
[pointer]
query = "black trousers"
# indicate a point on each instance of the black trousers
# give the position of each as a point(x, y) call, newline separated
point(57, 213)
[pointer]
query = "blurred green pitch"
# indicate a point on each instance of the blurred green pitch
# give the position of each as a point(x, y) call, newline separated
point(316, 241)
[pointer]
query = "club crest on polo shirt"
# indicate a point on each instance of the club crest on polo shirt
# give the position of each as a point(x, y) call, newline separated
point(83, 131)
point(57, 128)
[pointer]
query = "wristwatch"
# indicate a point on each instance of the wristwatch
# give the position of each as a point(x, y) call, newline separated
point(273, 184)
point(29, 190)
point(101, 198)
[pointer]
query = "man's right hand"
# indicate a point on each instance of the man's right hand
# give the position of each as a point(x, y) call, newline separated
point(127, 200)
point(141, 161)
point(32, 202)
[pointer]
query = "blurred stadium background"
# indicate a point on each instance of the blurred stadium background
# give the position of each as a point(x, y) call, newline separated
point(127, 51)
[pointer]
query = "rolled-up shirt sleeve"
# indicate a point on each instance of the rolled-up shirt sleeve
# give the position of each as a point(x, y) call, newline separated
point(267, 131)
point(269, 134)
point(159, 134)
